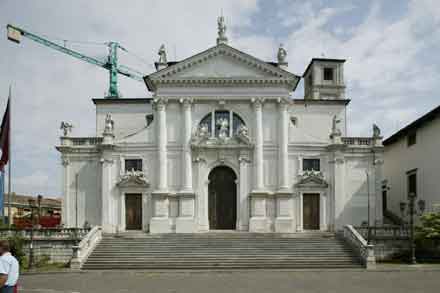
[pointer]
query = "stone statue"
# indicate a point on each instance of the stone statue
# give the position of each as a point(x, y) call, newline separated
point(243, 131)
point(109, 124)
point(335, 129)
point(224, 128)
point(376, 131)
point(66, 128)
point(202, 131)
point(221, 27)
point(162, 55)
point(282, 54)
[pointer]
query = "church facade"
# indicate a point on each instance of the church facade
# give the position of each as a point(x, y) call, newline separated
point(222, 145)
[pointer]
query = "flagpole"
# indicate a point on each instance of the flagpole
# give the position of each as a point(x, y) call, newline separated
point(10, 159)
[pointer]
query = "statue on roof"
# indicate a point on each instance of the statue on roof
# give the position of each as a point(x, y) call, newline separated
point(162, 55)
point(66, 127)
point(282, 54)
point(222, 39)
point(376, 131)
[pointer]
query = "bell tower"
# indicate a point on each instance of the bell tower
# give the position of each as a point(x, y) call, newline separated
point(324, 79)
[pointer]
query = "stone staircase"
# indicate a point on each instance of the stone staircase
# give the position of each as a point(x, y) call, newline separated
point(221, 250)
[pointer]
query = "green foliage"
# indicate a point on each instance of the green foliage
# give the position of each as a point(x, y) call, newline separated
point(16, 244)
point(430, 226)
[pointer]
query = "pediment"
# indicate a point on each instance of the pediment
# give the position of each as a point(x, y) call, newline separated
point(315, 180)
point(221, 64)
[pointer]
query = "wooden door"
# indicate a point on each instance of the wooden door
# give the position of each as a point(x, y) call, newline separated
point(133, 211)
point(310, 211)
point(222, 200)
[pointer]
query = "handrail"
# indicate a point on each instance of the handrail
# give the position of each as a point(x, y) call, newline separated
point(82, 251)
point(364, 250)
point(389, 232)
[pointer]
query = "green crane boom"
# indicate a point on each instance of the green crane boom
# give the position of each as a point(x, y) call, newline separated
point(14, 34)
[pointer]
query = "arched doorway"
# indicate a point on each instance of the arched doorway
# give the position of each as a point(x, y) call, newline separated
point(222, 191)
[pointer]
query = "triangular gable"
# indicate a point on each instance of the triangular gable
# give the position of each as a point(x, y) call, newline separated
point(312, 180)
point(221, 64)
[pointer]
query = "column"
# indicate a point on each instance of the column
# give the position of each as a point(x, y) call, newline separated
point(243, 221)
point(106, 193)
point(66, 196)
point(162, 143)
point(258, 160)
point(283, 136)
point(186, 159)
point(160, 222)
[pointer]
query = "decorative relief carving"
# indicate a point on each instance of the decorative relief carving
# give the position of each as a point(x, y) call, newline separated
point(311, 179)
point(133, 179)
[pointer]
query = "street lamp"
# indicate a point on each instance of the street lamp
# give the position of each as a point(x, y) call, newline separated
point(412, 211)
point(31, 202)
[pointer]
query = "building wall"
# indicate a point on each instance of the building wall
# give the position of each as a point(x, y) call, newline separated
point(423, 156)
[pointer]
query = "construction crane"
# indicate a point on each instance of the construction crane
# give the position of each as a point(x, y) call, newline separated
point(14, 34)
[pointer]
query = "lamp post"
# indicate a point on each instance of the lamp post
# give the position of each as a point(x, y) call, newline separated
point(31, 245)
point(368, 208)
point(412, 211)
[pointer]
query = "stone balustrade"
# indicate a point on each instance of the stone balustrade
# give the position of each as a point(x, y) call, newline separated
point(85, 247)
point(364, 250)
point(45, 233)
point(358, 141)
point(81, 141)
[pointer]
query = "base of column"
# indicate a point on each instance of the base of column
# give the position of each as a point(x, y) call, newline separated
point(160, 225)
point(108, 228)
point(284, 225)
point(259, 225)
point(185, 225)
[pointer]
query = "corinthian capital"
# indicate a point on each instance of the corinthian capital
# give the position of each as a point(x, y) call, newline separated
point(186, 102)
point(160, 103)
point(257, 102)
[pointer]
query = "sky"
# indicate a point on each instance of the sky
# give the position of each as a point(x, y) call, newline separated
point(392, 50)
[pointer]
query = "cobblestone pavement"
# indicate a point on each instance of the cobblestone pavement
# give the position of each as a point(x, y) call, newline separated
point(231, 282)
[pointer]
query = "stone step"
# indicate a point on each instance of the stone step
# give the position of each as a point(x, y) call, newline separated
point(229, 250)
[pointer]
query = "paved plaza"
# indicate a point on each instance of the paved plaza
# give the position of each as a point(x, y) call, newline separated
point(251, 281)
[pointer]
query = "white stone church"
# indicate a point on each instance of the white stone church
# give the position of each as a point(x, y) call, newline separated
point(223, 145)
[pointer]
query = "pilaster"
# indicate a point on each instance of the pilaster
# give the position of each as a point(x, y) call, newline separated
point(283, 135)
point(66, 207)
point(243, 187)
point(107, 211)
point(258, 151)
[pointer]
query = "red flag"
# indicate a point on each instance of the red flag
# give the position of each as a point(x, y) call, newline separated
point(4, 138)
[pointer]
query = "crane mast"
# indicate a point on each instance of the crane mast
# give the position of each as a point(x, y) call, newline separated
point(15, 33)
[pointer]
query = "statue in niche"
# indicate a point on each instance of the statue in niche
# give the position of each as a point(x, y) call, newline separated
point(202, 131)
point(376, 131)
point(162, 55)
point(109, 124)
point(224, 128)
point(282, 54)
point(335, 128)
point(66, 127)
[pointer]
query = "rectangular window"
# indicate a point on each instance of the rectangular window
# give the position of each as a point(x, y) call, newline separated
point(412, 182)
point(133, 164)
point(328, 73)
point(311, 164)
point(411, 139)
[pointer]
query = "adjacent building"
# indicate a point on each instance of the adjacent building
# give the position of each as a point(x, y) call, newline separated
point(224, 144)
point(412, 164)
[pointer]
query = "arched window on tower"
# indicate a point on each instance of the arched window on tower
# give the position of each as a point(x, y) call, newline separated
point(220, 121)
